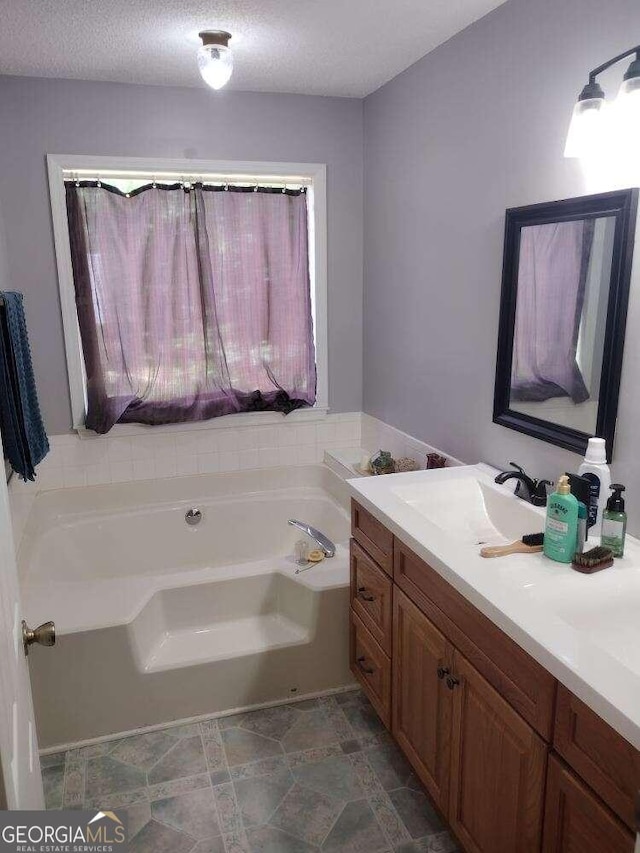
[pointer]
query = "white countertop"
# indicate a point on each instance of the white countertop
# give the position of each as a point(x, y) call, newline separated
point(584, 629)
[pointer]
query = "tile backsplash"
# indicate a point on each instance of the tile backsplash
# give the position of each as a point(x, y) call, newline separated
point(149, 455)
point(378, 435)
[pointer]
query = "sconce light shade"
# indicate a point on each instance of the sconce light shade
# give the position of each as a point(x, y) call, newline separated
point(586, 128)
point(215, 59)
point(627, 107)
point(599, 128)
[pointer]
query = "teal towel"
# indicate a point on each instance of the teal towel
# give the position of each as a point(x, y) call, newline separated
point(23, 436)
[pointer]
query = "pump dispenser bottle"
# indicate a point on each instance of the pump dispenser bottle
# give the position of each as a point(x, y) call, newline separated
point(595, 469)
point(614, 523)
point(561, 529)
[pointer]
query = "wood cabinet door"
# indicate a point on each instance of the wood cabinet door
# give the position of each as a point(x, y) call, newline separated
point(576, 820)
point(422, 658)
point(498, 767)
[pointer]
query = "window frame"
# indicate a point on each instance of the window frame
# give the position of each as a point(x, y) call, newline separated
point(313, 174)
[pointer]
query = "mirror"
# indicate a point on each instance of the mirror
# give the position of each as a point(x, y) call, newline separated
point(565, 289)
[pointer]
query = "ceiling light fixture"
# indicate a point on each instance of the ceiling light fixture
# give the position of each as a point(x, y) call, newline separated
point(595, 123)
point(215, 59)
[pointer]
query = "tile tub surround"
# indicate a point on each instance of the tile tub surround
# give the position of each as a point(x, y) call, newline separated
point(318, 775)
point(222, 445)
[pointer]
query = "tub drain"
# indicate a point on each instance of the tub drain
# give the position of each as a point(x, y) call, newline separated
point(193, 516)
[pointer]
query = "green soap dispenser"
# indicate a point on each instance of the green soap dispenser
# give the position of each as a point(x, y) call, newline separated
point(561, 529)
point(614, 521)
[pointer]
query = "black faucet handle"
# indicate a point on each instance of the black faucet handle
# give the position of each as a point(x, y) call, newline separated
point(518, 468)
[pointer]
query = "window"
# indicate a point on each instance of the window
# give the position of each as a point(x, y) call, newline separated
point(190, 294)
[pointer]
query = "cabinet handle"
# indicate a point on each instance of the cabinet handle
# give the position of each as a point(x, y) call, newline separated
point(360, 663)
point(442, 671)
point(452, 681)
point(361, 594)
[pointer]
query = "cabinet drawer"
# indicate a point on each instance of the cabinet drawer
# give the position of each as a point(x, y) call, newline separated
point(371, 595)
point(372, 668)
point(507, 667)
point(373, 536)
point(576, 821)
point(604, 759)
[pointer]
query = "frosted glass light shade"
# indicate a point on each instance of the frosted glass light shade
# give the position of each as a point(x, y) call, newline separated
point(215, 62)
point(627, 112)
point(586, 128)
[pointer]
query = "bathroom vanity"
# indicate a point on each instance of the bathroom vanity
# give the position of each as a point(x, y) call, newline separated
point(520, 723)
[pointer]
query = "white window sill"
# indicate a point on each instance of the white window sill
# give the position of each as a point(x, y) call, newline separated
point(242, 419)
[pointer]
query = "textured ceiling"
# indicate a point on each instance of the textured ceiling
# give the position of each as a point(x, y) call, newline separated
point(322, 47)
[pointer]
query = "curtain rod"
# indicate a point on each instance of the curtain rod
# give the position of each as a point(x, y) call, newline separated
point(190, 177)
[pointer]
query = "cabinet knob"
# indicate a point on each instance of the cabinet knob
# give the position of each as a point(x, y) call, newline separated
point(361, 662)
point(452, 681)
point(361, 594)
point(442, 671)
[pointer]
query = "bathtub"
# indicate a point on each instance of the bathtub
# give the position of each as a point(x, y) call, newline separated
point(159, 621)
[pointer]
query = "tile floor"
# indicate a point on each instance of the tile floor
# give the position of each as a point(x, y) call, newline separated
point(317, 775)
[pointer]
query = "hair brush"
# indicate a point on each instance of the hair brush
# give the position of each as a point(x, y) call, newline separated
point(531, 543)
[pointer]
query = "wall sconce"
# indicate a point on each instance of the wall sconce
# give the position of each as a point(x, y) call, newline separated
point(597, 124)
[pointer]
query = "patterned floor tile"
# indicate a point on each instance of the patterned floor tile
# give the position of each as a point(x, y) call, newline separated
point(310, 731)
point(106, 776)
point(334, 777)
point(143, 751)
point(363, 719)
point(321, 774)
point(390, 766)
point(356, 831)
point(416, 812)
point(55, 759)
point(185, 758)
point(270, 722)
point(307, 815)
point(154, 837)
point(259, 797)
point(193, 813)
point(213, 748)
point(175, 787)
point(137, 816)
point(53, 784)
point(268, 839)
point(210, 845)
point(242, 746)
point(228, 809)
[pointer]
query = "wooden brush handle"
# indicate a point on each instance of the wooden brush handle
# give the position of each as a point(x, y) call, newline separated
point(504, 550)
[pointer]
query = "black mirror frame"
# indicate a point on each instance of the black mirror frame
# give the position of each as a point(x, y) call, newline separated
point(622, 204)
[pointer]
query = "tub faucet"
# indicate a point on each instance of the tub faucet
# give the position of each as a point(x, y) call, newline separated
point(326, 545)
point(530, 490)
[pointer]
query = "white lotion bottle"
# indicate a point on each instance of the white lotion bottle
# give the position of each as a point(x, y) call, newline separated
point(595, 469)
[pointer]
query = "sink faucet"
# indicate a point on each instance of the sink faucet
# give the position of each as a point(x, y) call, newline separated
point(325, 544)
point(530, 490)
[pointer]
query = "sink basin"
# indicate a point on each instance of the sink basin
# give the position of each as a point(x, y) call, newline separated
point(604, 606)
point(471, 510)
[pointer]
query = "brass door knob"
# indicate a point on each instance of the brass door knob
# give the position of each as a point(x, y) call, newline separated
point(43, 635)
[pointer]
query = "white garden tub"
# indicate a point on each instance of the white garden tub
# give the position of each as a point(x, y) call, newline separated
point(159, 621)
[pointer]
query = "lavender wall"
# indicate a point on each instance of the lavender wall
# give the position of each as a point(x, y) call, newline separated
point(471, 129)
point(73, 117)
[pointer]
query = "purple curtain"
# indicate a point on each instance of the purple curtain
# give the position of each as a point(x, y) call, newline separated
point(552, 272)
point(191, 303)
